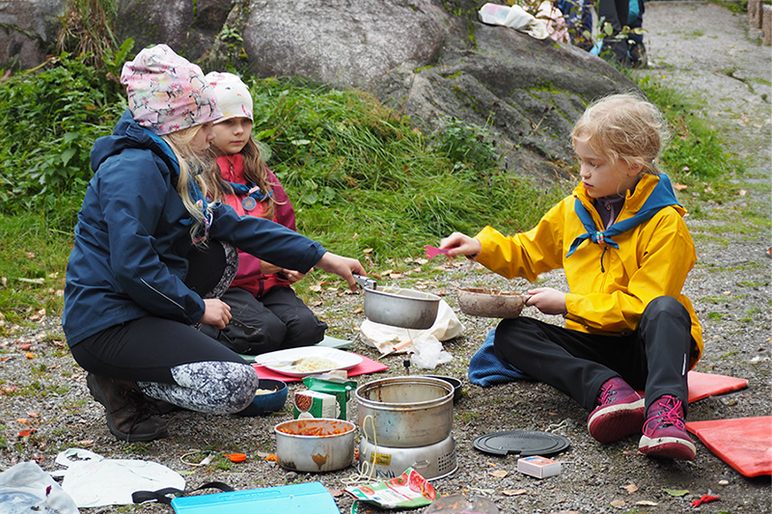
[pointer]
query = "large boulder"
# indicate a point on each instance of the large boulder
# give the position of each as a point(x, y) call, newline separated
point(345, 44)
point(28, 31)
point(526, 92)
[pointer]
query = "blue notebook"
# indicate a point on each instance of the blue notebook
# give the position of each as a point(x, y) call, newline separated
point(286, 499)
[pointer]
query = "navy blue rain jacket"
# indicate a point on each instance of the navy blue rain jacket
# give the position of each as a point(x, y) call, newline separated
point(132, 236)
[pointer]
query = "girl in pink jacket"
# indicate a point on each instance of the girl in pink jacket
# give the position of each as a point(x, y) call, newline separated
point(267, 315)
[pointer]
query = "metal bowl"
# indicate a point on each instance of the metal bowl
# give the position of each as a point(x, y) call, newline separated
point(405, 308)
point(269, 402)
point(327, 451)
point(490, 303)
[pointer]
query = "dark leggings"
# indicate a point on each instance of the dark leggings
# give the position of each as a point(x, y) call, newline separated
point(654, 358)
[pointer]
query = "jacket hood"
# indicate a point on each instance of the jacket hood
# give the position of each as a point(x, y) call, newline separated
point(128, 134)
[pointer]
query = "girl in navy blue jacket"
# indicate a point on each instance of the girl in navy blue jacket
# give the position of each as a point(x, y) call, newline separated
point(152, 256)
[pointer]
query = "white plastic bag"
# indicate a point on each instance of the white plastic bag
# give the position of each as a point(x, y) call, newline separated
point(26, 488)
point(96, 481)
point(388, 339)
point(429, 353)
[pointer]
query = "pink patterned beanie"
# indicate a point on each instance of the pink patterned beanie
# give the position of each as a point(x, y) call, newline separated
point(166, 92)
point(233, 95)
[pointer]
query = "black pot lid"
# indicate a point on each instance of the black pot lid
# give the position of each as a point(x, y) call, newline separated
point(522, 442)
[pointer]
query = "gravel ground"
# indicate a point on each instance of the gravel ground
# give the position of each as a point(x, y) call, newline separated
point(700, 48)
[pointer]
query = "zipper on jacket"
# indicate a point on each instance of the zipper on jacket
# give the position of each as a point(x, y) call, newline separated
point(602, 269)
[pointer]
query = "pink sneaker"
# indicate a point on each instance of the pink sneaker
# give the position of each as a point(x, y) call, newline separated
point(664, 433)
point(619, 412)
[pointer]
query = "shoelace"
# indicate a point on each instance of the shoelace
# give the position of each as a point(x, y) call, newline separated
point(670, 414)
point(606, 394)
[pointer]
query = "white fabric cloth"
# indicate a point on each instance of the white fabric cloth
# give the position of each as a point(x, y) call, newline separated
point(388, 339)
point(96, 481)
point(26, 488)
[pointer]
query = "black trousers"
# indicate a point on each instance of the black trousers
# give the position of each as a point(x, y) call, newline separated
point(654, 358)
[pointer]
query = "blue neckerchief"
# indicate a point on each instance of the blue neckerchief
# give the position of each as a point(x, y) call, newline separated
point(255, 193)
point(661, 196)
point(195, 192)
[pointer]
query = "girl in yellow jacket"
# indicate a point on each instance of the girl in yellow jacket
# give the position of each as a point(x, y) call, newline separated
point(626, 252)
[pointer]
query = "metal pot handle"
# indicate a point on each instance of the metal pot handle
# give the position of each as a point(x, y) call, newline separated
point(366, 283)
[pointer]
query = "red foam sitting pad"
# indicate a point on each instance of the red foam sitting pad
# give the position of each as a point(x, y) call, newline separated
point(743, 443)
point(702, 385)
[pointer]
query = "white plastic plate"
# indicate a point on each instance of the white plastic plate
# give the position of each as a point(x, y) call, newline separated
point(279, 361)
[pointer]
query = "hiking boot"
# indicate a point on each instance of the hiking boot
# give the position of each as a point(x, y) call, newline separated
point(126, 408)
point(664, 433)
point(619, 412)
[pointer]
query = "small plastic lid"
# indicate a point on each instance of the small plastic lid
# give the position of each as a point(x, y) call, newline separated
point(237, 457)
point(522, 442)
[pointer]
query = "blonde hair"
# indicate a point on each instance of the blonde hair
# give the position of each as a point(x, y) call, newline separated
point(255, 170)
point(624, 126)
point(192, 163)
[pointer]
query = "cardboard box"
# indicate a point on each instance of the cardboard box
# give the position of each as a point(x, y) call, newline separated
point(537, 466)
point(313, 404)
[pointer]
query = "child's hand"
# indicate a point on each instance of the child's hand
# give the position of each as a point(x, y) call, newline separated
point(547, 300)
point(460, 244)
point(292, 275)
point(216, 313)
point(344, 267)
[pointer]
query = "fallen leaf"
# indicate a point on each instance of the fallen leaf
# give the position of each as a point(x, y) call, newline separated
point(336, 493)
point(742, 192)
point(23, 421)
point(647, 503)
point(30, 355)
point(676, 492)
point(27, 433)
point(488, 463)
point(618, 503)
point(723, 482)
point(499, 473)
point(680, 187)
point(630, 488)
point(513, 492)
point(367, 250)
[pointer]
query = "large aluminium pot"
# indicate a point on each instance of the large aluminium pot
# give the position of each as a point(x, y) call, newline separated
point(405, 412)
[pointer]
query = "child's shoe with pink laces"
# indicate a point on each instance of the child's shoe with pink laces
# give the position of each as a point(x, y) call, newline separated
point(619, 412)
point(664, 432)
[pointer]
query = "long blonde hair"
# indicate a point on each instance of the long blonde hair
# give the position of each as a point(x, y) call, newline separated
point(624, 126)
point(192, 164)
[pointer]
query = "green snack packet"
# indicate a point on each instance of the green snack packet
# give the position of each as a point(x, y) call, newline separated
point(337, 386)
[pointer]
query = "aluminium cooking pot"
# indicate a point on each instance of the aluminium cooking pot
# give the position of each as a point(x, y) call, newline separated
point(397, 307)
point(405, 412)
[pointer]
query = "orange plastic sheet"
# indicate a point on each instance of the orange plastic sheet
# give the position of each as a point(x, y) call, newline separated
point(743, 443)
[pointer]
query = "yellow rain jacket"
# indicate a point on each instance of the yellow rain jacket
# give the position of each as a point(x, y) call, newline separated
point(609, 287)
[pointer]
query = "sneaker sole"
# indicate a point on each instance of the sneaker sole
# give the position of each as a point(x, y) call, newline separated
point(99, 396)
point(617, 421)
point(667, 448)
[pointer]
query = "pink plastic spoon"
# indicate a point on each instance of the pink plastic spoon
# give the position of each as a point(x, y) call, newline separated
point(432, 252)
